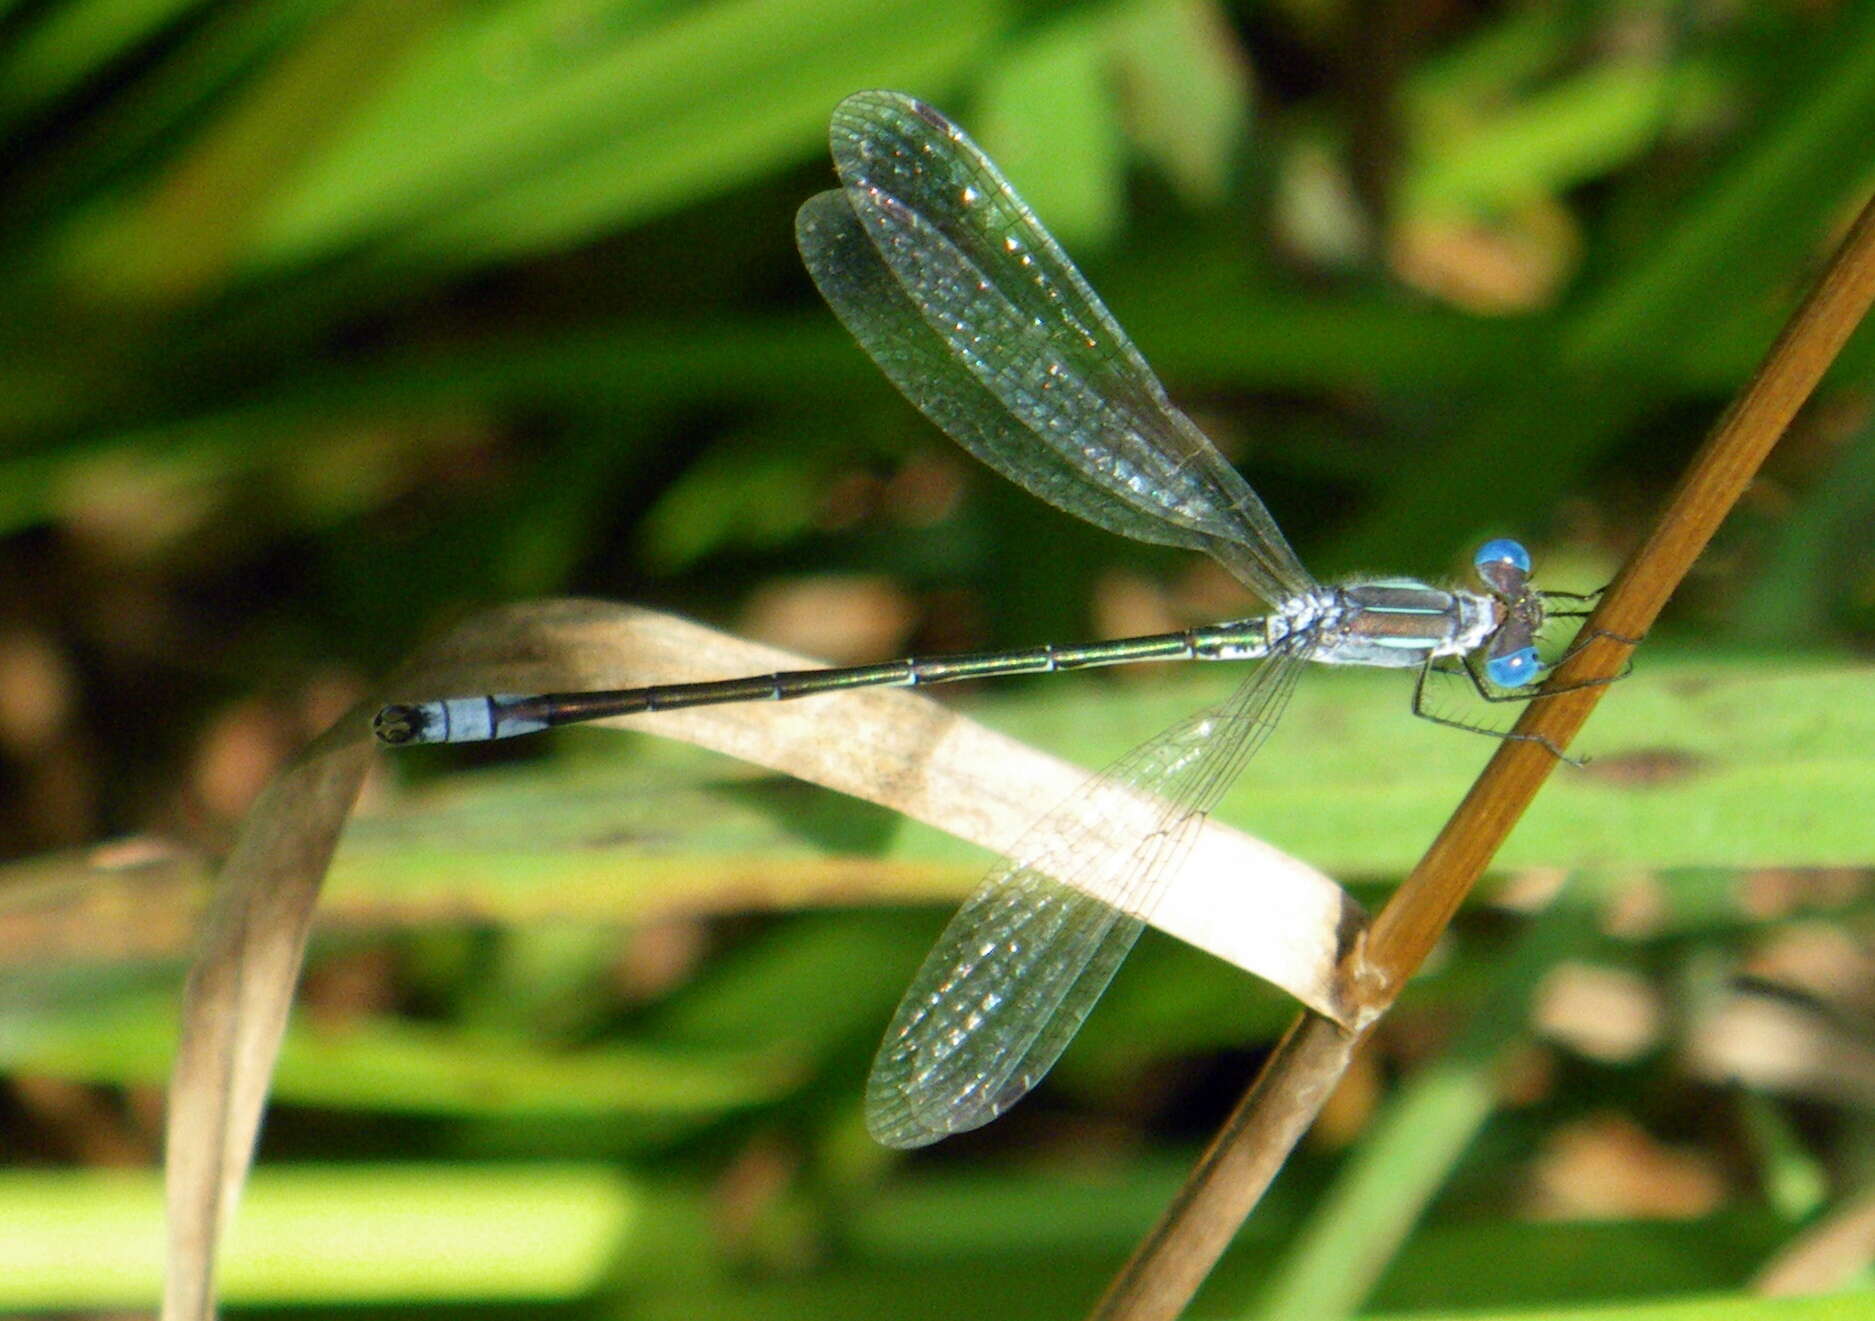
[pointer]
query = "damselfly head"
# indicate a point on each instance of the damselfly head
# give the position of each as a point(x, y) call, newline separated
point(1511, 659)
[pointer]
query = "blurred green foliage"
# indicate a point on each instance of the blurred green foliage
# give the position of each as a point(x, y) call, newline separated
point(325, 322)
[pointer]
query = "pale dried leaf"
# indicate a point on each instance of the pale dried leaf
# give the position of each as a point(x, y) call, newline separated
point(1235, 896)
point(237, 997)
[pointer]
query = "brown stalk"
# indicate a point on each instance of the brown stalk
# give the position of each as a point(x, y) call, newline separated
point(1229, 1179)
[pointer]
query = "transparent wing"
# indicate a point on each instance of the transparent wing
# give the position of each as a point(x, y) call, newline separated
point(869, 301)
point(1011, 978)
point(1051, 368)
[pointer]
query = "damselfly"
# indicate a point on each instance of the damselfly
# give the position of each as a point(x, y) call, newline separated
point(974, 312)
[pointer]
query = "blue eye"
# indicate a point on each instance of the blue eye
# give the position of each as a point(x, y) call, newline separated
point(1503, 551)
point(1515, 669)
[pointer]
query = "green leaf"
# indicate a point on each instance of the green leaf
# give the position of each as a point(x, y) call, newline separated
point(515, 135)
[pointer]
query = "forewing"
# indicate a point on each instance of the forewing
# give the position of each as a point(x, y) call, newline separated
point(877, 311)
point(1014, 974)
point(1005, 301)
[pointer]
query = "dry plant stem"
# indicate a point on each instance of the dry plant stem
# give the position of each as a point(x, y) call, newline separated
point(1174, 1258)
point(1229, 1179)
